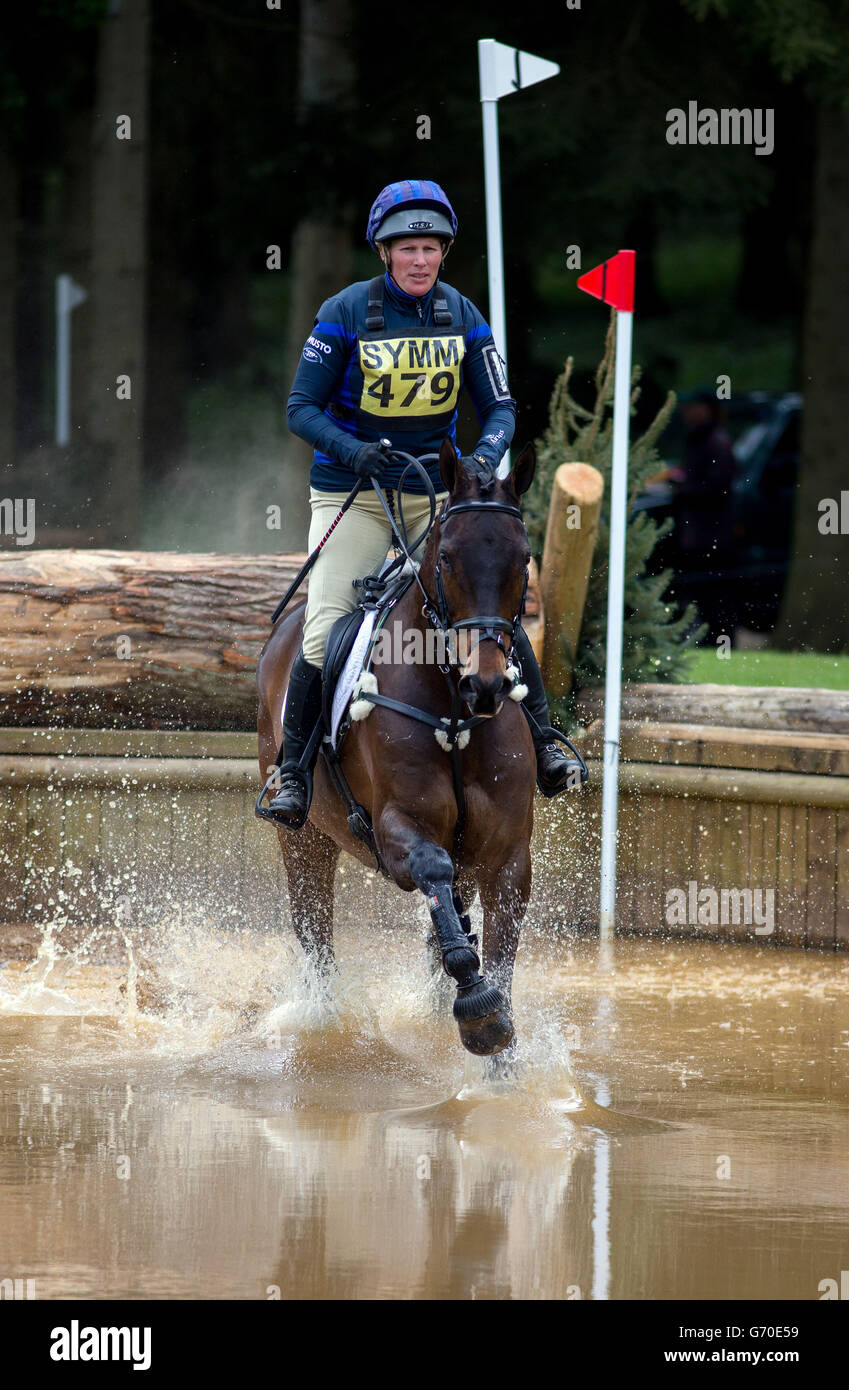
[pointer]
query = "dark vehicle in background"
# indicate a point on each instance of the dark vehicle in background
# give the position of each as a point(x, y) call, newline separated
point(764, 430)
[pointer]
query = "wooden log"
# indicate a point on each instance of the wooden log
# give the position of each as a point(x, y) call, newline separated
point(103, 638)
point(125, 639)
point(567, 556)
point(723, 784)
point(534, 620)
point(700, 745)
point(743, 707)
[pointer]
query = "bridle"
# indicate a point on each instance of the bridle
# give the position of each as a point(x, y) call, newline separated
point(490, 628)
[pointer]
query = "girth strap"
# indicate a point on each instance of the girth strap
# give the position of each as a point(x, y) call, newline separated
point(451, 728)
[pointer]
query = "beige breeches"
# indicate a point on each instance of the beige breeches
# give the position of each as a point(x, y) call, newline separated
point(357, 547)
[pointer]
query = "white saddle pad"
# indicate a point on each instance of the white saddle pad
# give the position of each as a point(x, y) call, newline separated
point(354, 664)
point(348, 678)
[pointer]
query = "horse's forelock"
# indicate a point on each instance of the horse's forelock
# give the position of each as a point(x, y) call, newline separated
point(480, 472)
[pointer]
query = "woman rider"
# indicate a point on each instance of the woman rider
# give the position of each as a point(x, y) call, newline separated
point(389, 358)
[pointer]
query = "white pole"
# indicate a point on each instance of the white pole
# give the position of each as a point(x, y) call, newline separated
point(615, 616)
point(601, 1208)
point(494, 247)
point(68, 296)
point(63, 360)
point(501, 70)
point(492, 199)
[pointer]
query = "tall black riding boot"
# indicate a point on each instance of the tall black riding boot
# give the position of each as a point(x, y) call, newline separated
point(303, 709)
point(555, 770)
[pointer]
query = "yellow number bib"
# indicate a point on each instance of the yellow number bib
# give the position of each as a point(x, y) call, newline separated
point(411, 376)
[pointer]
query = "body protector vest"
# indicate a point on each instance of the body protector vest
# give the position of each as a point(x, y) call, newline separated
point(410, 378)
point(382, 364)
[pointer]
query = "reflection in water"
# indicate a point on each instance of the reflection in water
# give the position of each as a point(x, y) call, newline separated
point(184, 1115)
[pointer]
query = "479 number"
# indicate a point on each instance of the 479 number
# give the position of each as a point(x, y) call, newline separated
point(441, 388)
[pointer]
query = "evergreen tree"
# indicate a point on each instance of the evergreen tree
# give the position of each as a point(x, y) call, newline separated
point(656, 637)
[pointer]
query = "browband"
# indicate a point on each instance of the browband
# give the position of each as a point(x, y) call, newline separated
point(481, 507)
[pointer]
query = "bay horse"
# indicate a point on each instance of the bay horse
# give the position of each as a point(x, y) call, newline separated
point(474, 572)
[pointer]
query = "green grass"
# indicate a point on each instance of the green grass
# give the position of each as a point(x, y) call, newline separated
point(805, 669)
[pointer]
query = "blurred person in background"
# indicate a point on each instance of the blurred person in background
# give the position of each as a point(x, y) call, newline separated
point(703, 514)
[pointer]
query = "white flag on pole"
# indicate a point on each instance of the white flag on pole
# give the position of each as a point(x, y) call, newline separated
point(504, 69)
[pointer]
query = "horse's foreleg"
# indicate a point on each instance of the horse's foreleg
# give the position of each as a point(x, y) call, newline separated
point(479, 1009)
point(504, 898)
point(310, 858)
point(464, 896)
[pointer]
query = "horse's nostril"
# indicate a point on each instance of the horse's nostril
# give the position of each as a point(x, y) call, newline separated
point(468, 687)
point(482, 696)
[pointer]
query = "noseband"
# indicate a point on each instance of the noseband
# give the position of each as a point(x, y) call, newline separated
point(491, 628)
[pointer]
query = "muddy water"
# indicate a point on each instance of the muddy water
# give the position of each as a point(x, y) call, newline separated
point(182, 1115)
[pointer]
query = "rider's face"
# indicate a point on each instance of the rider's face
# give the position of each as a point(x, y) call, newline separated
point(413, 264)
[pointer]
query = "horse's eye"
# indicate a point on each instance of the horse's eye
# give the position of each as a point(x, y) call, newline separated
point(444, 560)
point(527, 558)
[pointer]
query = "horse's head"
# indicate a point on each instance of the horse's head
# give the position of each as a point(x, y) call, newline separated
point(480, 556)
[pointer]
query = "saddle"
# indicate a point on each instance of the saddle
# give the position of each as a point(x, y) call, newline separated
point(380, 592)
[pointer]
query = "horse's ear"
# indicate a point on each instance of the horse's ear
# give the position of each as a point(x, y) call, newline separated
point(448, 457)
point(522, 473)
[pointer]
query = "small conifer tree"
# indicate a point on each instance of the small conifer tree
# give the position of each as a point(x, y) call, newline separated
point(656, 638)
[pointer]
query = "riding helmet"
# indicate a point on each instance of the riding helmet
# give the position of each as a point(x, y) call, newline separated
point(411, 206)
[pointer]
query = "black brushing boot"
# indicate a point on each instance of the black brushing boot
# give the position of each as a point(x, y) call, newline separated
point(555, 771)
point(303, 708)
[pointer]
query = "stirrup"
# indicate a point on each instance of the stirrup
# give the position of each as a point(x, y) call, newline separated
point(303, 770)
point(576, 765)
point(293, 822)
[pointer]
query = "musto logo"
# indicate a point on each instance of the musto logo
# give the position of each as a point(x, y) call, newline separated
point(409, 377)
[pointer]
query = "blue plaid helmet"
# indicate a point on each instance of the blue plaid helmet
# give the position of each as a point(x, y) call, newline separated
point(413, 205)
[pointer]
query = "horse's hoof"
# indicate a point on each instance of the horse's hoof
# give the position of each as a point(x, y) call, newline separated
point(486, 1036)
point(484, 1020)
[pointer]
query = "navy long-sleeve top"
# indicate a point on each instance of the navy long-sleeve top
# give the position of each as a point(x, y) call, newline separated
point(354, 386)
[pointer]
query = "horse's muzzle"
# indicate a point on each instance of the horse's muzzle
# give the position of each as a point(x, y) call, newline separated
point(484, 697)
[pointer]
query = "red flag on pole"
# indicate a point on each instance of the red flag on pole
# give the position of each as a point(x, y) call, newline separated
point(613, 281)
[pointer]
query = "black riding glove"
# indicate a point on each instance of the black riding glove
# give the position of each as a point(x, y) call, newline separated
point(371, 460)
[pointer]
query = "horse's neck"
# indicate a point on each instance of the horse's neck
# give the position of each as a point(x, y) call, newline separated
point(408, 613)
